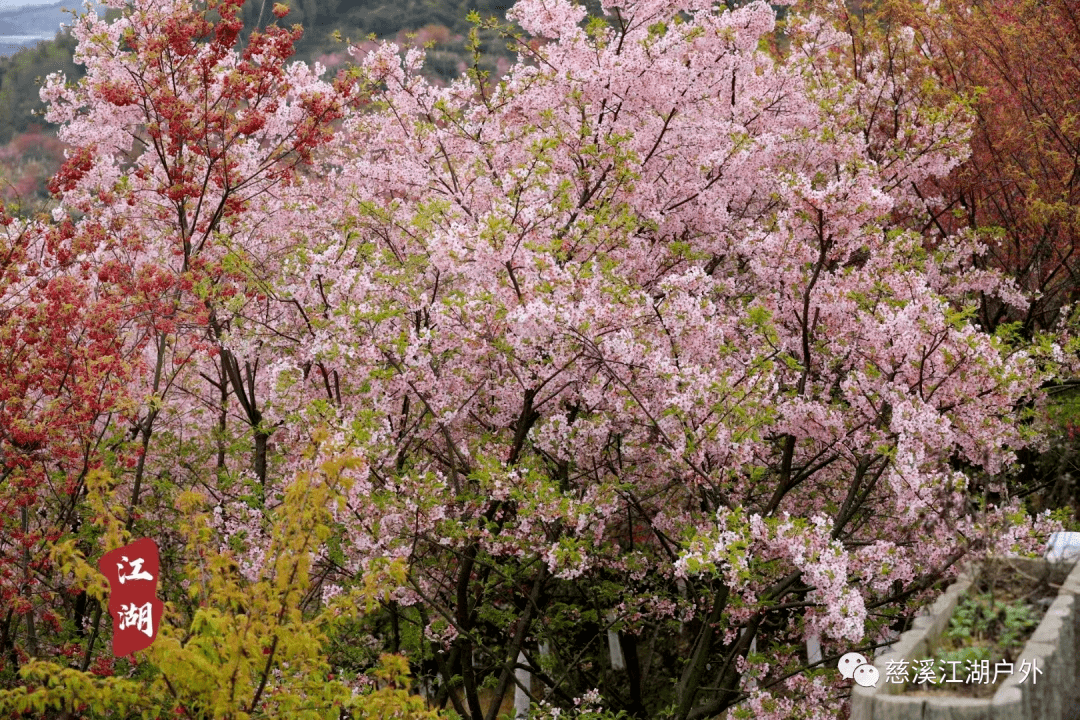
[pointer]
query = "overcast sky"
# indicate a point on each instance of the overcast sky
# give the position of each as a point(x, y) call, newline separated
point(9, 4)
point(69, 4)
point(6, 5)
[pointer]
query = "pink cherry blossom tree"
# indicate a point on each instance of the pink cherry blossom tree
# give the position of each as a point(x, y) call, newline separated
point(628, 340)
point(649, 281)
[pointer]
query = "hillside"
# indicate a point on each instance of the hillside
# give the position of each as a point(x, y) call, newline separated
point(35, 19)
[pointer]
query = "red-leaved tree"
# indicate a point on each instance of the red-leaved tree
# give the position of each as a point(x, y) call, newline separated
point(1020, 189)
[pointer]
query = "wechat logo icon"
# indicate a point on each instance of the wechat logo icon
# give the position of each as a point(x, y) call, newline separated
point(853, 666)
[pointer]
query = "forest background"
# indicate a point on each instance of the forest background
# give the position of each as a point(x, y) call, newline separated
point(801, 474)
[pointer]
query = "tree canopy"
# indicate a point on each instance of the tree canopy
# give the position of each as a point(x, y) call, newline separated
point(653, 334)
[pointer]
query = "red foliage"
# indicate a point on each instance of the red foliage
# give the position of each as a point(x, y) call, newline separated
point(1022, 183)
point(27, 163)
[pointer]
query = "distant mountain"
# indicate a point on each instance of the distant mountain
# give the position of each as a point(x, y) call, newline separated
point(35, 19)
point(27, 25)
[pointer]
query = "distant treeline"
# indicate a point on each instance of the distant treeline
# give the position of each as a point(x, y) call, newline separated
point(442, 21)
point(21, 75)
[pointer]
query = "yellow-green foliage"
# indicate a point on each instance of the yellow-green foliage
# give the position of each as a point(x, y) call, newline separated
point(250, 650)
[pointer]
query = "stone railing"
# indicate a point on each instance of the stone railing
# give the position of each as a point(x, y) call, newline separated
point(1054, 648)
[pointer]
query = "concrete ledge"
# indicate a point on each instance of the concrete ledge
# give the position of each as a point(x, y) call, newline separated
point(1054, 648)
point(944, 707)
point(1008, 703)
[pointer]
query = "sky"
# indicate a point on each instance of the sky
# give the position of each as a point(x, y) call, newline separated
point(9, 4)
